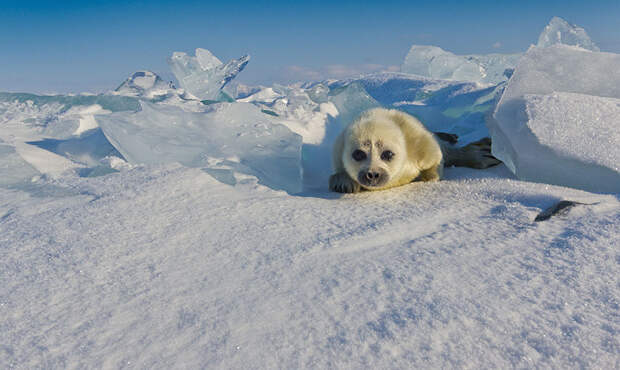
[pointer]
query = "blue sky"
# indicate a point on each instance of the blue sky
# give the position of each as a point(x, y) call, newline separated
point(76, 46)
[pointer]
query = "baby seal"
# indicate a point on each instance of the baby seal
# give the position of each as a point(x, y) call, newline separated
point(384, 148)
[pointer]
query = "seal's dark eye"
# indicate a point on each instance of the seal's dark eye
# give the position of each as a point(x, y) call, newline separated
point(359, 155)
point(387, 155)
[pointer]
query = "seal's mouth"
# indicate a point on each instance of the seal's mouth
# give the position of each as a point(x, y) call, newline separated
point(372, 178)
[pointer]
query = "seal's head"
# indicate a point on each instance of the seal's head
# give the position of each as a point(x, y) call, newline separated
point(374, 152)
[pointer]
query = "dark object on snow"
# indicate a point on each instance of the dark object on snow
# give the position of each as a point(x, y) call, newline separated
point(451, 138)
point(475, 155)
point(560, 208)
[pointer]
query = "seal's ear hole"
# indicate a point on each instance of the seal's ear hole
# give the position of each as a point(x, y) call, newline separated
point(387, 155)
point(359, 155)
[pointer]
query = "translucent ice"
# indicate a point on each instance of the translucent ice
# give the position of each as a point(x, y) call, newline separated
point(559, 31)
point(226, 137)
point(112, 103)
point(144, 83)
point(350, 101)
point(54, 134)
point(434, 62)
point(544, 135)
point(295, 108)
point(204, 75)
point(442, 105)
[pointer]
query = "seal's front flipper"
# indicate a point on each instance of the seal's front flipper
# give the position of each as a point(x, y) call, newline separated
point(341, 182)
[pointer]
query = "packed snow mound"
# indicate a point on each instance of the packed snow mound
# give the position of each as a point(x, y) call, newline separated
point(434, 62)
point(225, 139)
point(543, 134)
point(559, 31)
point(144, 83)
point(204, 75)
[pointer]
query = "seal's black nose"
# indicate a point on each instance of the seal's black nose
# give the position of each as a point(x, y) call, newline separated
point(372, 175)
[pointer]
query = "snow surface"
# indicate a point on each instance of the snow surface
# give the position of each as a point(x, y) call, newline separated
point(564, 139)
point(580, 126)
point(168, 267)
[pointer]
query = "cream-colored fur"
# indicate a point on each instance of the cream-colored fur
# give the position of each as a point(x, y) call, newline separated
point(416, 153)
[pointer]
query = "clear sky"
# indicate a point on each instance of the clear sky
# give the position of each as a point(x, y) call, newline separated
point(90, 45)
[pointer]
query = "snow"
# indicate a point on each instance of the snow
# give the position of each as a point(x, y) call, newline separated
point(13, 167)
point(168, 267)
point(579, 126)
point(563, 139)
point(159, 227)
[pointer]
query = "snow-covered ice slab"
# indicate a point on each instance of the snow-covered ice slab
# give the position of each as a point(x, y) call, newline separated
point(563, 139)
point(226, 137)
point(569, 139)
point(204, 75)
point(559, 31)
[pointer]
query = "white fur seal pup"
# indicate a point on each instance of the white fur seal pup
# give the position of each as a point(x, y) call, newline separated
point(384, 148)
